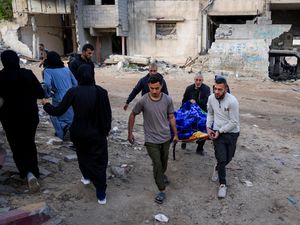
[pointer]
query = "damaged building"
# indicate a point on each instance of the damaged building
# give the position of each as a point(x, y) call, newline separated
point(254, 37)
point(47, 22)
point(240, 36)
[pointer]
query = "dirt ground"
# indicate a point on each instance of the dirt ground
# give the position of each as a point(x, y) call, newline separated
point(268, 156)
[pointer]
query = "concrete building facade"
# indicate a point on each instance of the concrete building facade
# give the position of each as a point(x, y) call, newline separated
point(237, 34)
point(47, 22)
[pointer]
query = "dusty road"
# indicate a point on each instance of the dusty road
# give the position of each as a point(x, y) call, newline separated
point(268, 155)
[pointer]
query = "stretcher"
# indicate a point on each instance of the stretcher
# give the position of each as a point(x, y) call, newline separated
point(197, 136)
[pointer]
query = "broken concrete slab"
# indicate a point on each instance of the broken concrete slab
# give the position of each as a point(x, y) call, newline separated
point(54, 221)
point(9, 34)
point(71, 157)
point(140, 60)
point(51, 159)
point(36, 213)
point(44, 172)
point(4, 210)
point(7, 190)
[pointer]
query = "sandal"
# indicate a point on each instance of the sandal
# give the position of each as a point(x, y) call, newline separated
point(160, 197)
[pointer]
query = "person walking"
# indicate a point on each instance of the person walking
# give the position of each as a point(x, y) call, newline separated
point(223, 128)
point(142, 85)
point(58, 79)
point(158, 113)
point(197, 93)
point(20, 90)
point(84, 58)
point(90, 127)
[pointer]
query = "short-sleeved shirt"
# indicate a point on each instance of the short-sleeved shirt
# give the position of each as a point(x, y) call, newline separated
point(156, 123)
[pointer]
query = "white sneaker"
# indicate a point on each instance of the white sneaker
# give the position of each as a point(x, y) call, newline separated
point(102, 202)
point(85, 181)
point(222, 191)
point(215, 175)
point(33, 183)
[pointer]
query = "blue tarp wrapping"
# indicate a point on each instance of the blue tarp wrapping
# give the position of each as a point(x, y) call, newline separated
point(190, 118)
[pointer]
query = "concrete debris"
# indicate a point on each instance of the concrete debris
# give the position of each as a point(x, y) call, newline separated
point(54, 141)
point(71, 157)
point(4, 210)
point(120, 171)
point(115, 59)
point(247, 183)
point(51, 159)
point(161, 218)
point(54, 221)
point(7, 190)
point(44, 172)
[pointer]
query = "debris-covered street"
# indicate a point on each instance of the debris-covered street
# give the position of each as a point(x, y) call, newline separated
point(122, 44)
point(263, 178)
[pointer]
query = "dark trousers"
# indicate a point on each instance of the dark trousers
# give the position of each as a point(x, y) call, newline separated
point(92, 159)
point(200, 145)
point(159, 153)
point(21, 138)
point(224, 146)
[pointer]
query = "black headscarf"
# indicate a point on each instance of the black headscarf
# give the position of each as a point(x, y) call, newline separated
point(86, 75)
point(53, 61)
point(10, 60)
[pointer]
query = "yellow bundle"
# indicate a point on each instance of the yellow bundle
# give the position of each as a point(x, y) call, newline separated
point(198, 135)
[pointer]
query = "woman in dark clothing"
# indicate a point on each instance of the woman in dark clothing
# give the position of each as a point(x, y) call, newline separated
point(90, 127)
point(20, 90)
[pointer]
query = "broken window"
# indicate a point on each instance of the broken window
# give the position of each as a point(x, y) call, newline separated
point(166, 31)
point(108, 2)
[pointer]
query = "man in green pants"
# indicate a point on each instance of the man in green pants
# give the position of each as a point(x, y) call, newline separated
point(158, 112)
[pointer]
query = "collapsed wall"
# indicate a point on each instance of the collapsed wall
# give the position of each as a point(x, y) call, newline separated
point(244, 48)
point(10, 37)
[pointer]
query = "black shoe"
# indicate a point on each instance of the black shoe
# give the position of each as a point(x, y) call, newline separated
point(200, 151)
point(183, 145)
point(161, 196)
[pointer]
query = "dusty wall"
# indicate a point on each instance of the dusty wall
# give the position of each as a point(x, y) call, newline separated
point(243, 48)
point(141, 38)
point(9, 35)
point(49, 32)
point(236, 7)
point(100, 16)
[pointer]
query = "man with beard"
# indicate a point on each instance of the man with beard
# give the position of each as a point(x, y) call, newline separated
point(84, 58)
point(223, 128)
point(197, 93)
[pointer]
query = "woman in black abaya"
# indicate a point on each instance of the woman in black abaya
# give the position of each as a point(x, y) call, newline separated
point(90, 127)
point(20, 90)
